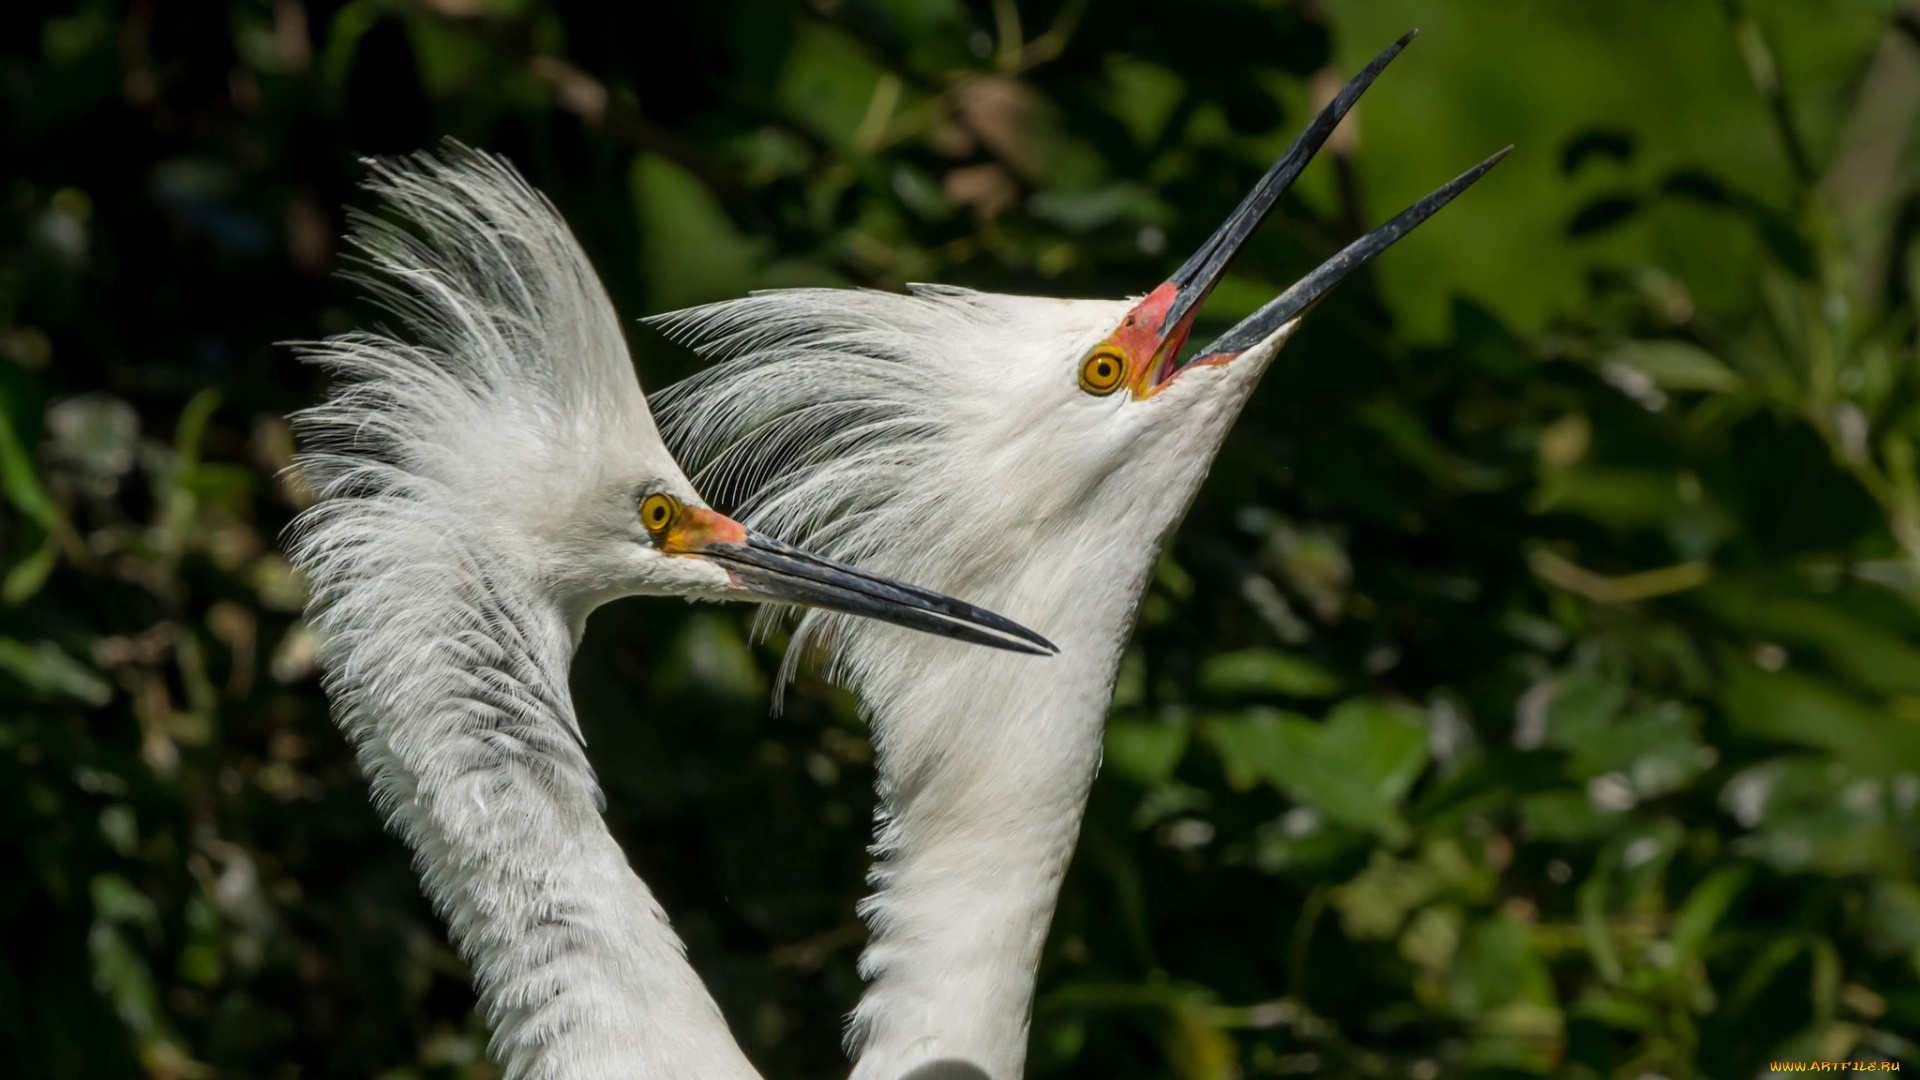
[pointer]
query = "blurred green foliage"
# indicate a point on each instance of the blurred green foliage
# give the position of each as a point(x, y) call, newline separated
point(1534, 690)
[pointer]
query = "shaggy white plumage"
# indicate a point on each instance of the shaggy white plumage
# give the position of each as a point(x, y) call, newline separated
point(944, 437)
point(477, 483)
point(476, 488)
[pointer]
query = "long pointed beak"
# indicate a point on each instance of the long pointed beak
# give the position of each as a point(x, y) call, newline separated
point(1306, 292)
point(1158, 326)
point(1198, 275)
point(775, 571)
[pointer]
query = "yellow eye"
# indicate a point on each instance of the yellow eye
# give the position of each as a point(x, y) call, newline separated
point(657, 512)
point(1102, 371)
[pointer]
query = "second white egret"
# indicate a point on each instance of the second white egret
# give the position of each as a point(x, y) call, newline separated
point(1035, 454)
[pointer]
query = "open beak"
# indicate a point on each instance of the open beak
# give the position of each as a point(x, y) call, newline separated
point(1158, 326)
point(774, 571)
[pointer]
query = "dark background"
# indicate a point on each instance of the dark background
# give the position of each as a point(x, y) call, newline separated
point(1534, 690)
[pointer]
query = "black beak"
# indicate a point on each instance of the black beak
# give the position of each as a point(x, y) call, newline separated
point(1306, 292)
point(1191, 284)
point(781, 572)
point(1198, 275)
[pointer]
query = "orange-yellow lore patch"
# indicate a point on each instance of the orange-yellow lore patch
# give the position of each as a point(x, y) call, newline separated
point(695, 529)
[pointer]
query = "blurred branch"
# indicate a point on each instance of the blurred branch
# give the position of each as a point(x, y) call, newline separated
point(1621, 589)
point(1764, 69)
point(1006, 20)
point(1053, 42)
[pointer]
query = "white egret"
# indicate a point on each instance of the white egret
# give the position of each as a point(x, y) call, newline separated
point(481, 489)
point(1032, 453)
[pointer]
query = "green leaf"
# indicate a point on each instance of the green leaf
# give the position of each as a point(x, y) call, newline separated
point(1497, 965)
point(119, 970)
point(25, 577)
point(44, 668)
point(1590, 901)
point(1810, 814)
point(1776, 230)
point(1251, 745)
point(1791, 707)
point(1142, 95)
point(1375, 904)
point(1565, 816)
point(1500, 983)
point(1083, 211)
point(1676, 365)
point(1629, 1012)
point(1144, 751)
point(192, 428)
point(1893, 914)
point(18, 480)
point(1354, 768)
point(1585, 701)
point(691, 250)
point(1657, 748)
point(1767, 963)
point(1266, 671)
point(1876, 658)
point(1621, 498)
point(1704, 908)
point(829, 85)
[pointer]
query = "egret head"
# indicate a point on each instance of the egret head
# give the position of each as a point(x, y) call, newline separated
point(672, 545)
point(1035, 450)
point(504, 444)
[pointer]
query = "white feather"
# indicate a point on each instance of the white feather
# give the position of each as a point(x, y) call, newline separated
point(943, 437)
point(475, 484)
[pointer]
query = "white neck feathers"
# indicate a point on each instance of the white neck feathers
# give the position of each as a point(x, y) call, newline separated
point(460, 717)
point(436, 464)
point(984, 772)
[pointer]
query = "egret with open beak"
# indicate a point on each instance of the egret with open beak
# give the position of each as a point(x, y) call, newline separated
point(1033, 455)
point(1147, 344)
